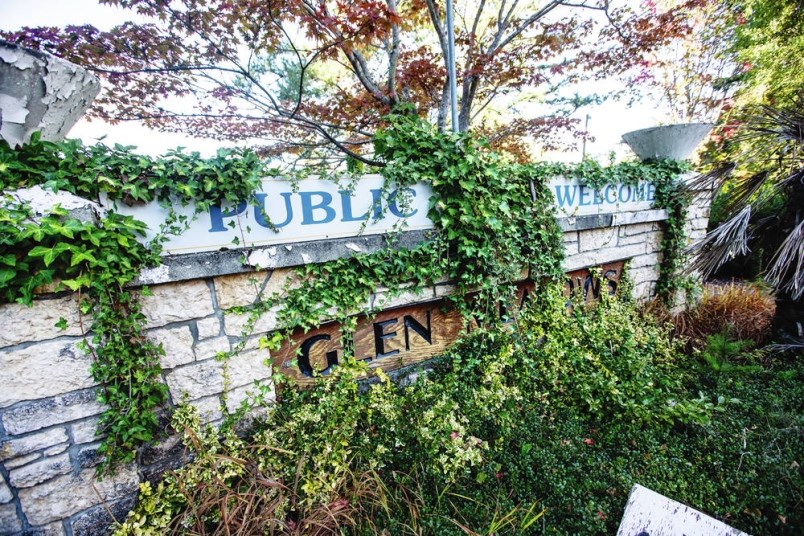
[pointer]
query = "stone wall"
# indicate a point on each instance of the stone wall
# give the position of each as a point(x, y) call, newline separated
point(48, 409)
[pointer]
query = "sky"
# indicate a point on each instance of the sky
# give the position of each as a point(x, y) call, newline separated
point(607, 122)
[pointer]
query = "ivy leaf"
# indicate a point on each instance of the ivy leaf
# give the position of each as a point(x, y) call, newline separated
point(6, 275)
point(49, 254)
point(79, 282)
point(82, 256)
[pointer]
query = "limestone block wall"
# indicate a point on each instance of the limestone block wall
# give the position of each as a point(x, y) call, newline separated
point(48, 407)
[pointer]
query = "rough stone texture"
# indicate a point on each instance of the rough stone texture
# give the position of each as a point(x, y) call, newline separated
point(168, 454)
point(210, 348)
point(37, 322)
point(30, 416)
point(21, 375)
point(24, 445)
point(208, 327)
point(636, 229)
point(644, 290)
point(209, 408)
point(58, 449)
point(648, 259)
point(235, 323)
point(652, 238)
point(34, 473)
point(595, 239)
point(84, 431)
point(22, 460)
point(177, 343)
point(66, 495)
point(54, 529)
point(277, 281)
point(695, 234)
point(570, 241)
point(5, 491)
point(167, 447)
point(197, 380)
point(176, 302)
point(699, 210)
point(248, 366)
point(236, 396)
point(87, 455)
point(96, 520)
point(239, 290)
point(644, 274)
point(382, 300)
point(594, 258)
point(445, 290)
point(9, 521)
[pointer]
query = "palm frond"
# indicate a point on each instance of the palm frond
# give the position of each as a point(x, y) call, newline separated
point(725, 242)
point(712, 180)
point(787, 267)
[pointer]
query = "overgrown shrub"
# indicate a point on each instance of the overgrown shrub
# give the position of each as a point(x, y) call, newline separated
point(448, 450)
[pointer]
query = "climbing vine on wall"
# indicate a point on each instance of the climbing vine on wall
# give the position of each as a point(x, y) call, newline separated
point(493, 218)
point(99, 258)
point(670, 195)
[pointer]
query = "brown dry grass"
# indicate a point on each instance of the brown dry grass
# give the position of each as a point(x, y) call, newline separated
point(743, 311)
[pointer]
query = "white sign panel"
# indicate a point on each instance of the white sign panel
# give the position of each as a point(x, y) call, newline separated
point(575, 199)
point(651, 514)
point(283, 212)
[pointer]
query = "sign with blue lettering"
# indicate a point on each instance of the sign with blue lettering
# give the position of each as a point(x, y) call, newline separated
point(283, 212)
point(575, 199)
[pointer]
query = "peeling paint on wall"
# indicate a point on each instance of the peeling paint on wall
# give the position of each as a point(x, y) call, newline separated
point(39, 92)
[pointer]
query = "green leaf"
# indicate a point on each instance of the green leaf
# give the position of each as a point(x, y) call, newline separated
point(82, 256)
point(7, 275)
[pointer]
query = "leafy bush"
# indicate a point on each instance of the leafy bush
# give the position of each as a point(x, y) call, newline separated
point(500, 429)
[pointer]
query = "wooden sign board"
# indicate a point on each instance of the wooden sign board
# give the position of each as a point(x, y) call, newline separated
point(410, 334)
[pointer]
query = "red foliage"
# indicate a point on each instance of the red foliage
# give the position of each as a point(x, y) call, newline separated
point(222, 62)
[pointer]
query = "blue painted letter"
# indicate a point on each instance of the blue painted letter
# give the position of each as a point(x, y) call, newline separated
point(261, 211)
point(567, 198)
point(410, 193)
point(308, 207)
point(216, 216)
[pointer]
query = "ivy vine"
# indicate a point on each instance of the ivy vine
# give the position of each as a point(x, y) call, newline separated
point(99, 259)
point(670, 195)
point(493, 218)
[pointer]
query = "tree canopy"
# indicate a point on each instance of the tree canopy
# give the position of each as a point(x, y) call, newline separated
point(309, 76)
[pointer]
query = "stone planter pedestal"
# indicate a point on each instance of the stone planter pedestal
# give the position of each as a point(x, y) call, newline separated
point(676, 142)
point(40, 92)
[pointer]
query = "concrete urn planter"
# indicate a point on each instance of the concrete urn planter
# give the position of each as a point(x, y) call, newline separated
point(676, 142)
point(40, 92)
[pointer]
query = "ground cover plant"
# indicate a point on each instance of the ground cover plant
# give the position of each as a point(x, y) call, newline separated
point(536, 423)
point(538, 428)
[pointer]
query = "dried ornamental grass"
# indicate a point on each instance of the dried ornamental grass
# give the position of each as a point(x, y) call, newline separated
point(742, 311)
